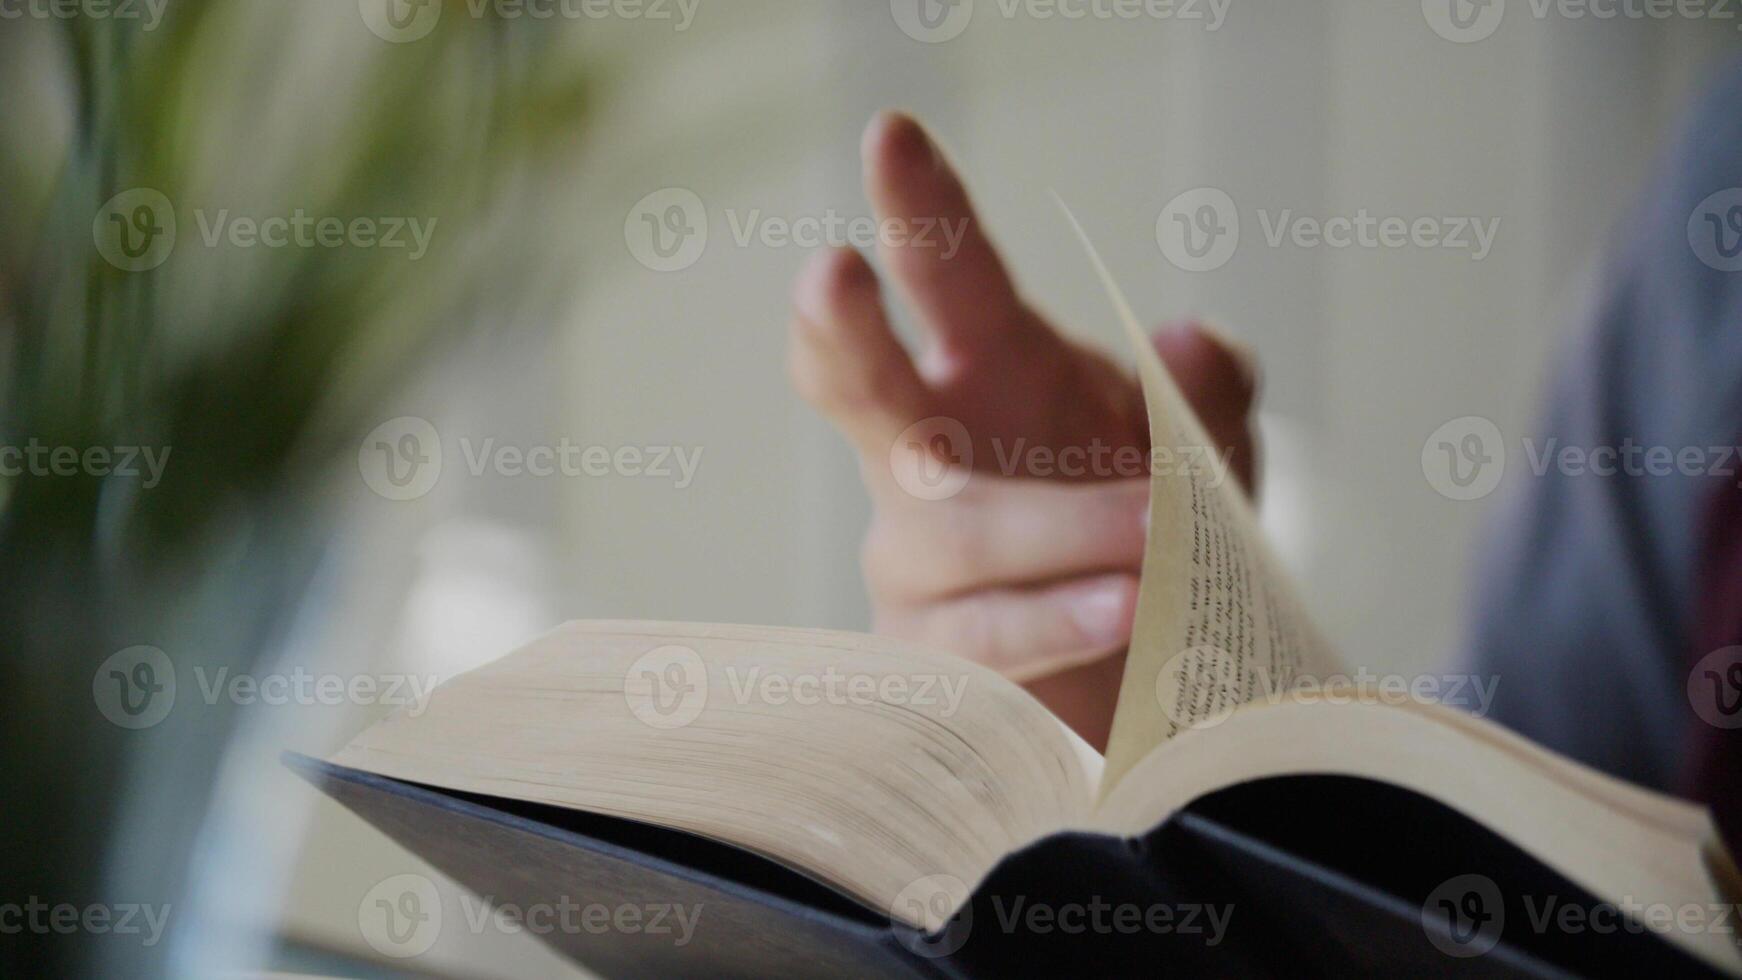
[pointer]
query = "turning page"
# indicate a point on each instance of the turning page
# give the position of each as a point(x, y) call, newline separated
point(1218, 623)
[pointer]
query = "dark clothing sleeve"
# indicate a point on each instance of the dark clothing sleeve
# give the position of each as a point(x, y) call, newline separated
point(1585, 602)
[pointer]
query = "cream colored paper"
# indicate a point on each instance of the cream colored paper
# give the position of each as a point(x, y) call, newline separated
point(1218, 623)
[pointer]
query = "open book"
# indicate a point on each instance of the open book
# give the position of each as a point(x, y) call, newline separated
point(903, 778)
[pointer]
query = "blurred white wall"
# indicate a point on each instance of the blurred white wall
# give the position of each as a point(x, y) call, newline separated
point(1547, 126)
point(1325, 109)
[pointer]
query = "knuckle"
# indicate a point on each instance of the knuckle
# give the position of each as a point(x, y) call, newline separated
point(956, 547)
point(924, 549)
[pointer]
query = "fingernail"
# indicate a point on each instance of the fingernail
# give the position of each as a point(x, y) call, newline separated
point(902, 138)
point(827, 277)
point(1104, 614)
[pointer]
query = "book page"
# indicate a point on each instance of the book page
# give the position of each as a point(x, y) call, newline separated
point(1218, 623)
point(897, 775)
point(1631, 848)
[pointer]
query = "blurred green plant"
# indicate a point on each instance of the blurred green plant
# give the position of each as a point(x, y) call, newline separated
point(253, 369)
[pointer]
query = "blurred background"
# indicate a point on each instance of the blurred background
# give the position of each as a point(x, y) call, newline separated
point(352, 487)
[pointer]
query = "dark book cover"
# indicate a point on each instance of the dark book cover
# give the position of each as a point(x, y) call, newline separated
point(1296, 876)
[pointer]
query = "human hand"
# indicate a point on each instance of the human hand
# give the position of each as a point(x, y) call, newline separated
point(1032, 567)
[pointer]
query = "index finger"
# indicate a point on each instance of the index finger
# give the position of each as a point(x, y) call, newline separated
point(942, 260)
